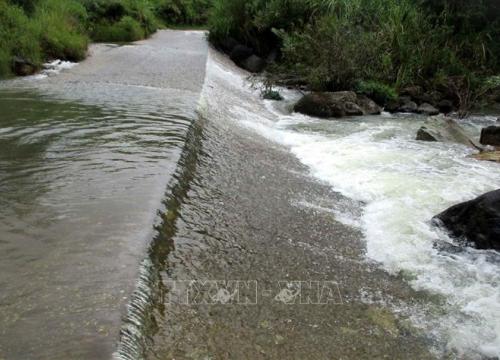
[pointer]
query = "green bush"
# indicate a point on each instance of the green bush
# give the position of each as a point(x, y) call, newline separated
point(18, 37)
point(378, 92)
point(126, 30)
point(449, 45)
point(62, 31)
point(182, 12)
point(120, 20)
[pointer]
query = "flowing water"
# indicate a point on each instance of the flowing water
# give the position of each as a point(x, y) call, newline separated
point(85, 157)
point(111, 186)
point(400, 184)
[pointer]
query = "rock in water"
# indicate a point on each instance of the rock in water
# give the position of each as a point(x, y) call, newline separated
point(408, 107)
point(253, 64)
point(488, 156)
point(490, 136)
point(444, 129)
point(335, 104)
point(369, 106)
point(478, 221)
point(427, 109)
point(445, 106)
point(23, 67)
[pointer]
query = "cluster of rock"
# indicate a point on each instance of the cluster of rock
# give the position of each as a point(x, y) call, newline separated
point(415, 100)
point(336, 105)
point(243, 56)
point(475, 222)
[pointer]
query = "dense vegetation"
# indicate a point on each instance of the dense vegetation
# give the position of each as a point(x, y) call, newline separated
point(39, 30)
point(376, 46)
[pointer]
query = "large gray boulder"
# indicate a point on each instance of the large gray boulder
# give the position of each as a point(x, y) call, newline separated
point(444, 129)
point(408, 106)
point(490, 136)
point(476, 221)
point(335, 104)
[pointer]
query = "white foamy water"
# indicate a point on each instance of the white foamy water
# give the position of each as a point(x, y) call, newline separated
point(402, 183)
point(53, 68)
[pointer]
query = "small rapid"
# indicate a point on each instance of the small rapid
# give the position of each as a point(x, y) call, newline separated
point(397, 185)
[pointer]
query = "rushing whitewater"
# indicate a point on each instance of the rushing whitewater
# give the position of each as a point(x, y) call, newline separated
point(400, 184)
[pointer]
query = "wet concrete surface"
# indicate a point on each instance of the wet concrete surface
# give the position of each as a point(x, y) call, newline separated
point(240, 219)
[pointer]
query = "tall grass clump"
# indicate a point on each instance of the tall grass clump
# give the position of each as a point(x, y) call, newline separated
point(62, 29)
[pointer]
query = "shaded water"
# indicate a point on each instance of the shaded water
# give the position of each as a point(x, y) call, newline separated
point(85, 157)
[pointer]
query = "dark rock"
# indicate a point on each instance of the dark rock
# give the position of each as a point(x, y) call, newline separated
point(322, 105)
point(253, 64)
point(408, 106)
point(476, 221)
point(23, 67)
point(392, 106)
point(336, 104)
point(414, 92)
point(444, 129)
point(427, 109)
point(228, 44)
point(490, 136)
point(445, 106)
point(240, 53)
point(431, 97)
point(369, 106)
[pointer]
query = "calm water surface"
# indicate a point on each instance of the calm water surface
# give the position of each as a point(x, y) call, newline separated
point(85, 158)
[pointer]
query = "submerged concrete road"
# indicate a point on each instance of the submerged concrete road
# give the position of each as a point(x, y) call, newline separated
point(77, 217)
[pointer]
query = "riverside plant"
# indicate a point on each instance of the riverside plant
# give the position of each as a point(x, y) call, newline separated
point(338, 44)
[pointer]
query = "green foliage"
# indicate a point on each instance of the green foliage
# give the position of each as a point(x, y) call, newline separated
point(335, 44)
point(378, 92)
point(120, 20)
point(125, 30)
point(183, 12)
point(62, 33)
point(270, 94)
point(18, 37)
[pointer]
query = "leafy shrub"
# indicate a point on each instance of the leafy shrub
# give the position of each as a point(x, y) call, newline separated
point(335, 44)
point(378, 92)
point(270, 94)
point(62, 32)
point(127, 29)
point(18, 37)
point(183, 12)
point(120, 20)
